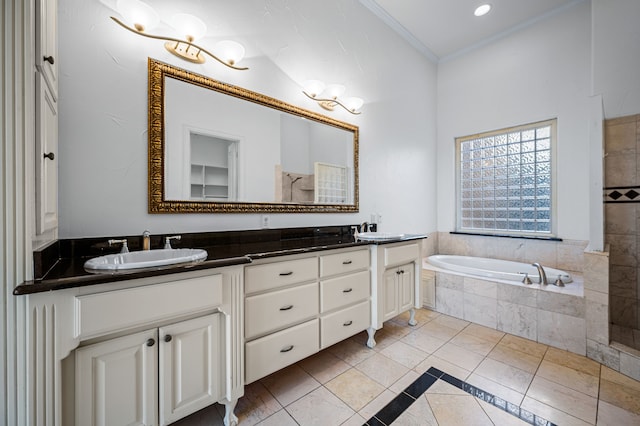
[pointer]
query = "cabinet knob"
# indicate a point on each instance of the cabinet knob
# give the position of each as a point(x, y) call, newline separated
point(167, 338)
point(49, 155)
point(151, 342)
point(48, 59)
point(287, 349)
point(398, 272)
point(402, 271)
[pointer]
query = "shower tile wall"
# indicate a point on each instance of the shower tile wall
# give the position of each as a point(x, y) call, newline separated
point(622, 217)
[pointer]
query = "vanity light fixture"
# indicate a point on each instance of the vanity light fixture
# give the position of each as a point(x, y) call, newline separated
point(482, 9)
point(328, 96)
point(142, 18)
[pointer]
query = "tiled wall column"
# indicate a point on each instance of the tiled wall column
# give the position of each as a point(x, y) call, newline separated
point(622, 214)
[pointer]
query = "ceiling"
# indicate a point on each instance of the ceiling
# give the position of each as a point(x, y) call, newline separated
point(446, 28)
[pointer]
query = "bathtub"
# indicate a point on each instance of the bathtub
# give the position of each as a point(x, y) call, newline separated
point(495, 268)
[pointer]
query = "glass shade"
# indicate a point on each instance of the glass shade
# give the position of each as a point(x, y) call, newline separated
point(188, 26)
point(138, 14)
point(353, 104)
point(313, 87)
point(229, 51)
point(334, 91)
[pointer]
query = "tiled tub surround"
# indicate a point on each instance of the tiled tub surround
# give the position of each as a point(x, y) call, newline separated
point(622, 227)
point(572, 256)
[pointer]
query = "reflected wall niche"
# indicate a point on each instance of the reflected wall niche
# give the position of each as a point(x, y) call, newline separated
point(219, 148)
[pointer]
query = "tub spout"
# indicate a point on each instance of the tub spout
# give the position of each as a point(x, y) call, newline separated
point(541, 273)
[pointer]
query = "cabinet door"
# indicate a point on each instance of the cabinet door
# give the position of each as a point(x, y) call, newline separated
point(116, 381)
point(47, 160)
point(390, 294)
point(189, 371)
point(406, 284)
point(46, 42)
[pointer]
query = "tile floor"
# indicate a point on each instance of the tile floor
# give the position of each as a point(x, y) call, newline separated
point(349, 384)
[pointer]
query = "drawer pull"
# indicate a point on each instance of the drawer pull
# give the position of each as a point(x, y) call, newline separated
point(286, 274)
point(348, 323)
point(347, 262)
point(286, 308)
point(348, 290)
point(287, 349)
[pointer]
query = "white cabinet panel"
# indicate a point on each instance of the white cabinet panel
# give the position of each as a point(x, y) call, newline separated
point(46, 159)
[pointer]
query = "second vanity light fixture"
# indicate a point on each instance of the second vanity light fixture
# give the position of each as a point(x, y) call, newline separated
point(328, 96)
point(141, 17)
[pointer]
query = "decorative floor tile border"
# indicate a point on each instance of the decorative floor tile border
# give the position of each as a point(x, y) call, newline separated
point(622, 194)
point(402, 401)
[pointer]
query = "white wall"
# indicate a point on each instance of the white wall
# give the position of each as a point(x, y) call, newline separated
point(103, 111)
point(538, 73)
point(616, 55)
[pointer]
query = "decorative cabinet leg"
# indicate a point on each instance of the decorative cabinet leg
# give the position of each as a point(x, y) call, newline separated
point(412, 317)
point(371, 343)
point(230, 419)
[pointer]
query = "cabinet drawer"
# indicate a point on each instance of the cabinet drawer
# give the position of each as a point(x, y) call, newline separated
point(110, 311)
point(400, 254)
point(343, 291)
point(277, 309)
point(273, 275)
point(339, 263)
point(342, 324)
point(278, 350)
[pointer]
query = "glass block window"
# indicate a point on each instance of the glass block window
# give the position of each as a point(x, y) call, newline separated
point(505, 180)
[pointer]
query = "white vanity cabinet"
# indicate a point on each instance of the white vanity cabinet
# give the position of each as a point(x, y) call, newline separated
point(398, 290)
point(297, 305)
point(172, 371)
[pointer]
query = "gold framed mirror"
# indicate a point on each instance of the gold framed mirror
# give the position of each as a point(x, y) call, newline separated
point(219, 148)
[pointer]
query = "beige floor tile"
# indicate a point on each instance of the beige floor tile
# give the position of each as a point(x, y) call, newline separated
point(382, 369)
point(397, 330)
point(351, 352)
point(484, 333)
point(615, 377)
point(422, 317)
point(355, 388)
point(496, 388)
point(451, 322)
point(523, 345)
point(574, 361)
point(418, 414)
point(551, 414)
point(281, 418)
point(457, 410)
point(459, 356)
point(401, 384)
point(442, 365)
point(377, 404)
point(355, 420)
point(324, 366)
point(438, 330)
point(444, 388)
point(256, 405)
point(610, 415)
point(574, 379)
point(385, 338)
point(504, 374)
point(472, 343)
point(320, 407)
point(209, 416)
point(423, 340)
point(620, 395)
point(404, 354)
point(289, 384)
point(515, 358)
point(561, 397)
point(500, 417)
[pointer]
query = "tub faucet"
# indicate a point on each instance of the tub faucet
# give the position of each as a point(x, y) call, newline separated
point(541, 273)
point(167, 241)
point(146, 240)
point(124, 249)
point(364, 227)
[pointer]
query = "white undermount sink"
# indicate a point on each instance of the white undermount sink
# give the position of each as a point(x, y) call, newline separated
point(379, 236)
point(143, 259)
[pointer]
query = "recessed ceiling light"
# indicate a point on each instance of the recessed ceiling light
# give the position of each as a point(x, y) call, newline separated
point(482, 10)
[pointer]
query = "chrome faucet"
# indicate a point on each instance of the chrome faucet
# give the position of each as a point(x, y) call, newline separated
point(541, 273)
point(364, 227)
point(167, 241)
point(124, 249)
point(146, 240)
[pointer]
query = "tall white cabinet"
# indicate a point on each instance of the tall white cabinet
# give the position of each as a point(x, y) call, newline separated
point(46, 131)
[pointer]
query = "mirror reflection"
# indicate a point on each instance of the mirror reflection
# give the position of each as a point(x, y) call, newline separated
point(218, 147)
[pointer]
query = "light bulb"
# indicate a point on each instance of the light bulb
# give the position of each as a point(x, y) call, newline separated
point(313, 87)
point(334, 91)
point(229, 51)
point(482, 10)
point(138, 14)
point(190, 27)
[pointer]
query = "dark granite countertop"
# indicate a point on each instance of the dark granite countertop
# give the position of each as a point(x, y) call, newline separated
point(61, 264)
